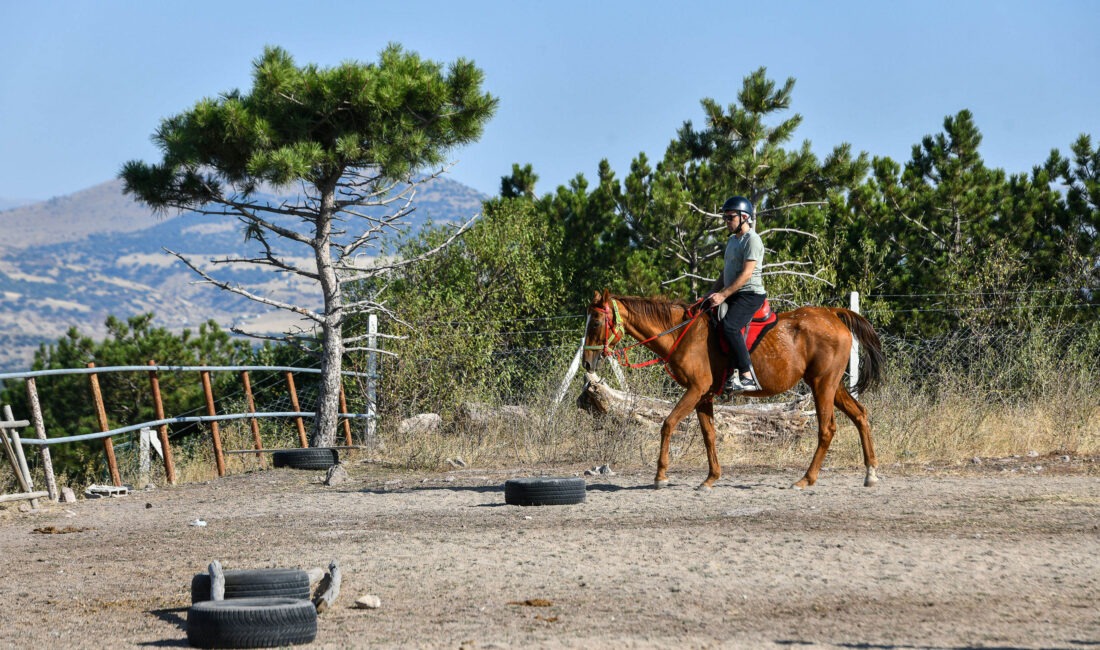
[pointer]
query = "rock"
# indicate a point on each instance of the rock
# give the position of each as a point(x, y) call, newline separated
point(420, 424)
point(976, 460)
point(315, 574)
point(198, 523)
point(336, 474)
point(67, 495)
point(456, 462)
point(368, 601)
point(599, 470)
point(1032, 454)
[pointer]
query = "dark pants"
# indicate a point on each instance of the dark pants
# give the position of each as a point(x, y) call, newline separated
point(742, 305)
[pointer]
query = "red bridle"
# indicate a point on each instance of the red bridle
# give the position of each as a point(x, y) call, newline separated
point(614, 332)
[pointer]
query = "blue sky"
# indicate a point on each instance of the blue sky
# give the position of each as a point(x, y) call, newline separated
point(84, 84)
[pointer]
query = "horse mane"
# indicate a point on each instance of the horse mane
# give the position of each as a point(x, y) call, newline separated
point(658, 308)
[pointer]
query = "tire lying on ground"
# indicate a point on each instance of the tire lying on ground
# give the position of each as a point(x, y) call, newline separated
point(309, 458)
point(544, 491)
point(255, 583)
point(251, 623)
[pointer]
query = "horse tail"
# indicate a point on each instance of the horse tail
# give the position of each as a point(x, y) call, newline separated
point(870, 349)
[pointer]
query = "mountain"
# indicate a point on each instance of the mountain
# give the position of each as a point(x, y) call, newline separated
point(74, 260)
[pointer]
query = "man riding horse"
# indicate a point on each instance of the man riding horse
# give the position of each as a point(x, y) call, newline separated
point(740, 287)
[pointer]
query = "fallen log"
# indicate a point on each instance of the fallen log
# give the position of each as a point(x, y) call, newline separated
point(785, 420)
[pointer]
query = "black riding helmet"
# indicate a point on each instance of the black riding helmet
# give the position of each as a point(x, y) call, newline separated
point(739, 204)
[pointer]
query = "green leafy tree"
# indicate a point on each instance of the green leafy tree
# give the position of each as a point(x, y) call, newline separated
point(964, 237)
point(352, 137)
point(477, 297)
point(672, 209)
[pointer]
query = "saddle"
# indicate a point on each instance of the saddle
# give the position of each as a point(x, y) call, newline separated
point(762, 321)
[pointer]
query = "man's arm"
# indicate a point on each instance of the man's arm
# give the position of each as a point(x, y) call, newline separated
point(722, 293)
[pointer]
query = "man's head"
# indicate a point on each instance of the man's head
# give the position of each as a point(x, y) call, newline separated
point(737, 210)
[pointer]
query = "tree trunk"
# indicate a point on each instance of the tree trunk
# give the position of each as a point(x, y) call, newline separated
point(328, 397)
point(771, 420)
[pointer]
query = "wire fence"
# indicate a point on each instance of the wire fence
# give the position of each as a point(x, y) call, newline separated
point(442, 366)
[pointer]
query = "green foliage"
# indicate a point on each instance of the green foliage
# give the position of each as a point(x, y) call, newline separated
point(66, 400)
point(478, 295)
point(313, 124)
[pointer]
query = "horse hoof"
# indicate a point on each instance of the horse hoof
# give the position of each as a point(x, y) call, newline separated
point(872, 478)
point(704, 488)
point(662, 483)
point(801, 485)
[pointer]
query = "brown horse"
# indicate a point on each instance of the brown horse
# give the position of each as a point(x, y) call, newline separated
point(810, 343)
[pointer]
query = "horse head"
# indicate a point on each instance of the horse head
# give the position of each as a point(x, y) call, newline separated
point(603, 331)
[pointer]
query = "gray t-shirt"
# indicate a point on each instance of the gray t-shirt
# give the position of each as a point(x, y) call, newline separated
point(738, 250)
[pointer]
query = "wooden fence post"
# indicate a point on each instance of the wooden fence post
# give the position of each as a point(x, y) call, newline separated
point(344, 410)
point(853, 360)
point(215, 433)
point(297, 409)
point(40, 432)
point(101, 413)
point(252, 421)
point(22, 474)
point(162, 430)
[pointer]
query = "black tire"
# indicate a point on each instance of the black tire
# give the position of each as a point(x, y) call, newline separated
point(255, 583)
point(544, 491)
point(251, 623)
point(309, 458)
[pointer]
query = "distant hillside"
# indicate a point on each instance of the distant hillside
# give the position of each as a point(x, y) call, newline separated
point(8, 204)
point(74, 260)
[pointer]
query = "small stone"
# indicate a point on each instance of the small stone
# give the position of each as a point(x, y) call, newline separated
point(198, 523)
point(976, 460)
point(148, 505)
point(1033, 454)
point(67, 495)
point(456, 462)
point(606, 470)
point(368, 601)
point(1065, 459)
point(336, 475)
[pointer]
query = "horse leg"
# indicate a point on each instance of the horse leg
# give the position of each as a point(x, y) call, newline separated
point(705, 411)
point(679, 412)
point(823, 391)
point(858, 415)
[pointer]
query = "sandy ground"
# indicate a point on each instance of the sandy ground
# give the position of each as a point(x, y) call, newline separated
point(1001, 555)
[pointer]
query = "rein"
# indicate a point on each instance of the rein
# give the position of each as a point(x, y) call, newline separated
point(614, 332)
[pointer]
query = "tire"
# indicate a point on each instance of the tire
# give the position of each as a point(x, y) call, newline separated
point(544, 491)
point(255, 583)
point(309, 458)
point(251, 623)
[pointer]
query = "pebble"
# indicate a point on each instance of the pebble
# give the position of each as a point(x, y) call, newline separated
point(368, 601)
point(198, 523)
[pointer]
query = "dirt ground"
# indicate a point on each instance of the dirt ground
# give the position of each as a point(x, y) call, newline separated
point(1005, 554)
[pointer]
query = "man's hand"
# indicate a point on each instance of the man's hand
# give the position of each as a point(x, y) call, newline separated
point(713, 300)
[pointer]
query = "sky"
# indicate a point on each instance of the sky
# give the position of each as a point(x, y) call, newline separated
point(83, 85)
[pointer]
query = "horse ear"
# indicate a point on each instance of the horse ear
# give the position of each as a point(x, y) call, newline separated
point(606, 295)
point(595, 297)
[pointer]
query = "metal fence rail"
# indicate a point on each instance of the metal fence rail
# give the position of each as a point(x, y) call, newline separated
point(161, 422)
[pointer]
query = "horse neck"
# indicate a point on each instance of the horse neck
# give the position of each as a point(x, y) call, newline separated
point(644, 328)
